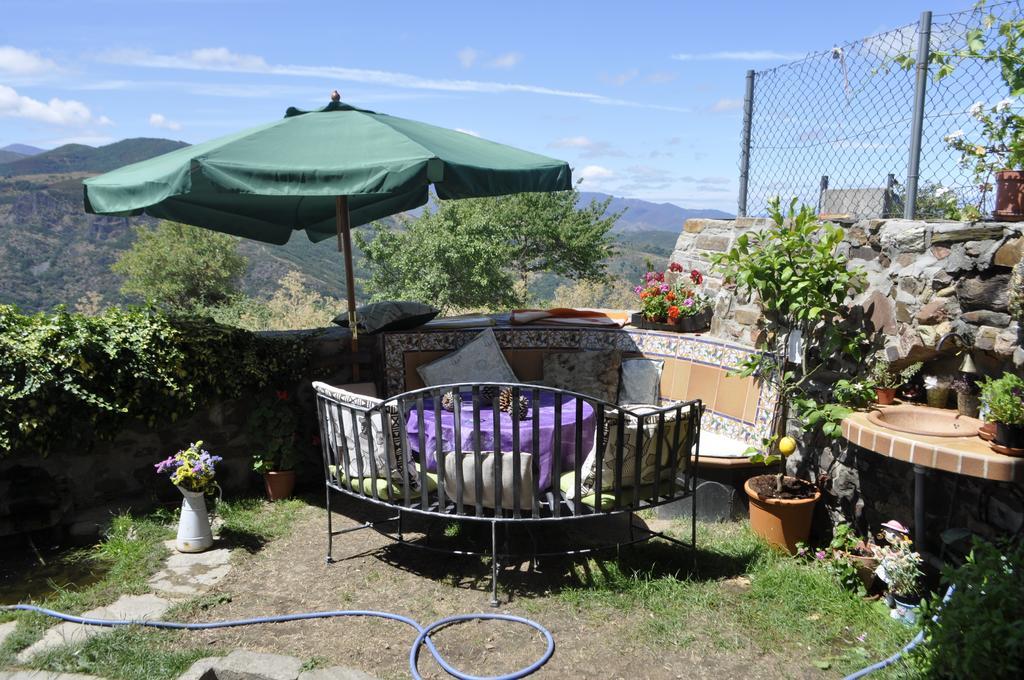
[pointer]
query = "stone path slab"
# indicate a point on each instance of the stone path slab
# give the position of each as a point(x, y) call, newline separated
point(335, 673)
point(191, 574)
point(44, 675)
point(127, 607)
point(6, 629)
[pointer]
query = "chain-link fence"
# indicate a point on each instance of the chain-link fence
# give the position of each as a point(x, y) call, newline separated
point(836, 129)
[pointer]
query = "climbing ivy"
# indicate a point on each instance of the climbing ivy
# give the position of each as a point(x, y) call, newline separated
point(69, 379)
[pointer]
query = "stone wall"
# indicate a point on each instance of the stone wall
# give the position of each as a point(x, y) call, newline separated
point(925, 279)
point(79, 488)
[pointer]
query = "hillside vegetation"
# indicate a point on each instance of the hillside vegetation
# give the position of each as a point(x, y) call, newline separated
point(54, 253)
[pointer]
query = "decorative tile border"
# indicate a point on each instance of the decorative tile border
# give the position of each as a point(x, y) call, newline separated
point(699, 349)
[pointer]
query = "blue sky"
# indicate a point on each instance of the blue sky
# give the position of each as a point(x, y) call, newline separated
point(642, 98)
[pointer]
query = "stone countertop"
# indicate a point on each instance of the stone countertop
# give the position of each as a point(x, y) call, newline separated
point(969, 456)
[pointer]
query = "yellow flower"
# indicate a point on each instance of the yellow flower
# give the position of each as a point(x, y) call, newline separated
point(980, 150)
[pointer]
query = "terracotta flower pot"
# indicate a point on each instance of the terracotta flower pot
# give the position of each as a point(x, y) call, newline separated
point(279, 484)
point(865, 566)
point(885, 395)
point(1009, 196)
point(781, 521)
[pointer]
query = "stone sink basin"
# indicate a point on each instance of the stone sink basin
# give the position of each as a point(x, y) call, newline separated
point(924, 420)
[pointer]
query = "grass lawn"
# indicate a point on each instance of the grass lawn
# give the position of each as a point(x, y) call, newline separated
point(736, 608)
point(132, 551)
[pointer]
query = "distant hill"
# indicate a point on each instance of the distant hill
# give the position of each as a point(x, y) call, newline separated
point(23, 149)
point(9, 156)
point(646, 216)
point(82, 158)
point(53, 253)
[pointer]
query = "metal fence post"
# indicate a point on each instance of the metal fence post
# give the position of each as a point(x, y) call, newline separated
point(924, 34)
point(748, 120)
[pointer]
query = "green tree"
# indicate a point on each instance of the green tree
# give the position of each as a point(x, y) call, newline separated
point(482, 253)
point(181, 267)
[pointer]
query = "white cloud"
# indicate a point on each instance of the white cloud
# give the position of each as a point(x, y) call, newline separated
point(18, 62)
point(464, 131)
point(467, 56)
point(215, 59)
point(580, 142)
point(660, 77)
point(723, 105)
point(159, 120)
point(595, 172)
point(55, 112)
point(621, 79)
point(507, 60)
point(752, 55)
point(589, 148)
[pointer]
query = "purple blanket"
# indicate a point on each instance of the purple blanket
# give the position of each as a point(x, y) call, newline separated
point(543, 449)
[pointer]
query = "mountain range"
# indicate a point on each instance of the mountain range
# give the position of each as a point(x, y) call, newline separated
point(53, 253)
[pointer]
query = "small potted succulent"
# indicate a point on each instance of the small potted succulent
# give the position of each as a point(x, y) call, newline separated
point(272, 430)
point(966, 387)
point(673, 300)
point(1003, 401)
point(192, 470)
point(887, 379)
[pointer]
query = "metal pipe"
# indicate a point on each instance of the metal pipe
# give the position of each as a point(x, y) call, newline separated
point(920, 476)
point(924, 34)
point(748, 120)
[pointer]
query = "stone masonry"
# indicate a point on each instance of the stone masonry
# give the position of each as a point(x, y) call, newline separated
point(925, 279)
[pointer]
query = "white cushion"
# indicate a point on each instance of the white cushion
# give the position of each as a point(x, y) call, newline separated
point(648, 460)
point(641, 381)
point(479, 361)
point(719, 446)
point(488, 499)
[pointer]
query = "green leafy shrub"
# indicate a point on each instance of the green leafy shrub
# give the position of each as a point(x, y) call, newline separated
point(67, 378)
point(1004, 399)
point(978, 633)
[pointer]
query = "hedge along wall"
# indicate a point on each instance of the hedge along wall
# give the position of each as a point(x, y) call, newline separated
point(89, 404)
point(925, 279)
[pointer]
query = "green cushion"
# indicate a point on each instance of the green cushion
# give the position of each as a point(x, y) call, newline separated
point(567, 483)
point(386, 489)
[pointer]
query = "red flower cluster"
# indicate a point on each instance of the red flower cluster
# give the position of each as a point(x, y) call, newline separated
point(675, 267)
point(695, 276)
point(282, 395)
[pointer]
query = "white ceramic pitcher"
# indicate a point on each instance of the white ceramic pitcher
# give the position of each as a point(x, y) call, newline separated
point(194, 533)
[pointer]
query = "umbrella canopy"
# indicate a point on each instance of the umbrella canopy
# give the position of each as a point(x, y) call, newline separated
point(265, 182)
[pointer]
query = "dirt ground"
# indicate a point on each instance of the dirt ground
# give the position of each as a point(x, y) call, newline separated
point(291, 575)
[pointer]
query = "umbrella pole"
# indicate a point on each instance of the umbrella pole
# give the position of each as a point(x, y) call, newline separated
point(341, 218)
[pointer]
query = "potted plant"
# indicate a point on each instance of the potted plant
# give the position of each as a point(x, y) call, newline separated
point(193, 472)
point(802, 282)
point(999, 154)
point(673, 300)
point(272, 429)
point(887, 379)
point(900, 567)
point(1003, 401)
point(966, 387)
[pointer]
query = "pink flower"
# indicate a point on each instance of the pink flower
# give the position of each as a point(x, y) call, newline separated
point(664, 288)
point(638, 289)
point(820, 555)
point(688, 302)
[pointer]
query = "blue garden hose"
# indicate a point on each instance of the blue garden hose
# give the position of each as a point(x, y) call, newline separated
point(422, 639)
point(918, 639)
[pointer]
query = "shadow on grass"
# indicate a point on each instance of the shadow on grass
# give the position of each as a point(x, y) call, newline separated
point(436, 548)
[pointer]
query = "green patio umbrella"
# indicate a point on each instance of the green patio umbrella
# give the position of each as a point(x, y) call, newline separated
point(321, 172)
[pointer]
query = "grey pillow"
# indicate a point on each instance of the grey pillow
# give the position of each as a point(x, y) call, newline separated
point(389, 316)
point(641, 381)
point(595, 374)
point(479, 361)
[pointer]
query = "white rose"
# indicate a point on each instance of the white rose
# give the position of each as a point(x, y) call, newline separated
point(976, 108)
point(1004, 104)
